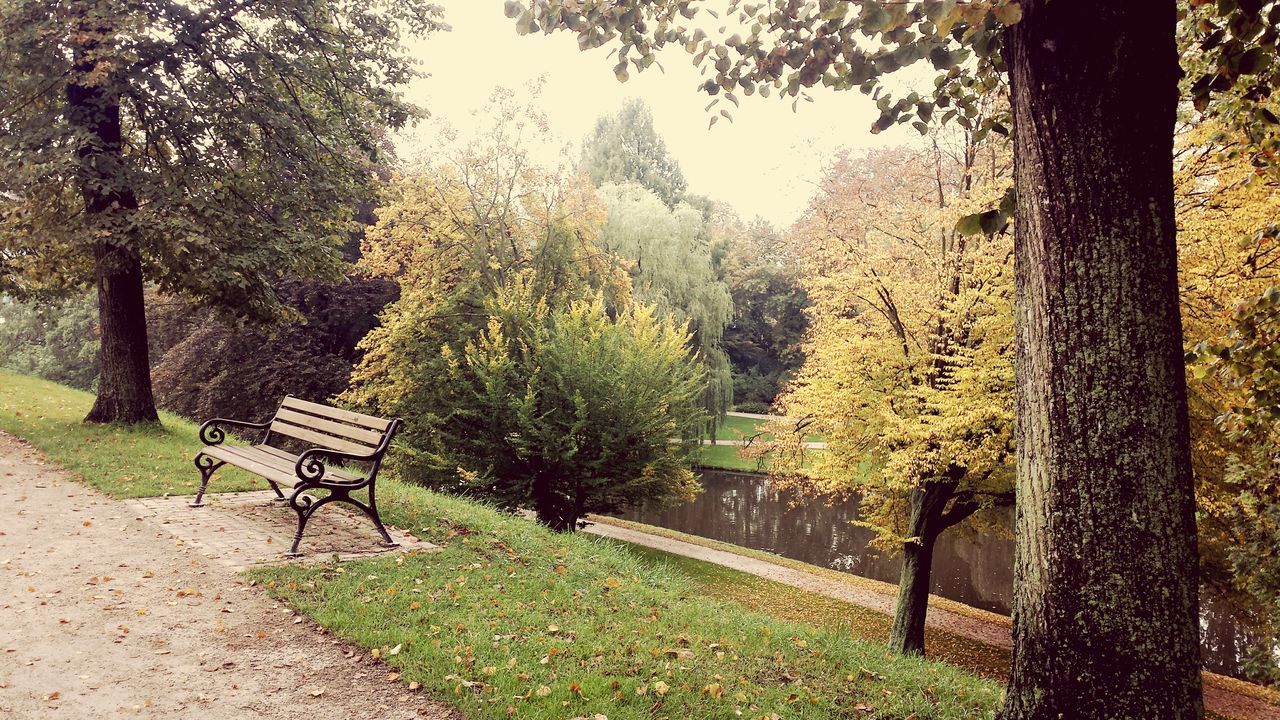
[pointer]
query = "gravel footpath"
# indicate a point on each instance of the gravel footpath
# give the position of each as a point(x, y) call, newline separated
point(105, 615)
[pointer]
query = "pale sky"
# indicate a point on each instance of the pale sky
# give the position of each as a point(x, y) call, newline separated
point(764, 163)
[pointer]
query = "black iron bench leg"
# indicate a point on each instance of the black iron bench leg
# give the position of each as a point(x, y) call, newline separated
point(371, 510)
point(206, 465)
point(305, 506)
point(279, 495)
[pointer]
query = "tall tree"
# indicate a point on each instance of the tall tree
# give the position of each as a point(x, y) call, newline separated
point(626, 148)
point(1106, 604)
point(909, 364)
point(209, 148)
point(769, 321)
point(669, 256)
point(1107, 510)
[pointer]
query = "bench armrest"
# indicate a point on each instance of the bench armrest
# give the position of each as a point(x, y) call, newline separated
point(211, 434)
point(310, 465)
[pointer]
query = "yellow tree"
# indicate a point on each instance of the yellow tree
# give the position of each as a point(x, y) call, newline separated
point(483, 217)
point(1227, 255)
point(909, 364)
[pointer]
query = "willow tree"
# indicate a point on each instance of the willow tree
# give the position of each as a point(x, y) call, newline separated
point(668, 255)
point(206, 147)
point(1106, 599)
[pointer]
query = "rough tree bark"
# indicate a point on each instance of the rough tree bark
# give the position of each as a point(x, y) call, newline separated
point(1105, 598)
point(93, 106)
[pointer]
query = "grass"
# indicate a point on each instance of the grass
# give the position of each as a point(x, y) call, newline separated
point(733, 427)
point(124, 462)
point(835, 576)
point(725, 457)
point(512, 620)
point(790, 603)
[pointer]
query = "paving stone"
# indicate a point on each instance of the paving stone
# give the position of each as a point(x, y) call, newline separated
point(253, 528)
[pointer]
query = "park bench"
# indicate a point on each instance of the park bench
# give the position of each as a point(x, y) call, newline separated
point(351, 440)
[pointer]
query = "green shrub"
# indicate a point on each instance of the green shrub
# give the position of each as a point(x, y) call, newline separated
point(563, 410)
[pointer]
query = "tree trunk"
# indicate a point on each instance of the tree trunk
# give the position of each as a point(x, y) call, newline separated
point(928, 520)
point(907, 635)
point(124, 388)
point(1105, 608)
point(93, 106)
point(551, 508)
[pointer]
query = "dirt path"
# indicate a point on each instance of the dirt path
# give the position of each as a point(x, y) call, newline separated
point(105, 615)
point(1224, 696)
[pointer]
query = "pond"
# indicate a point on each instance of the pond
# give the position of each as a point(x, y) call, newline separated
point(743, 509)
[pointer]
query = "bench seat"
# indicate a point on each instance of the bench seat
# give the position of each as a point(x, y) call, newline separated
point(344, 450)
point(271, 463)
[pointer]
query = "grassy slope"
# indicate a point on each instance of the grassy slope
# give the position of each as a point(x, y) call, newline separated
point(790, 603)
point(725, 457)
point(510, 617)
point(123, 462)
point(509, 610)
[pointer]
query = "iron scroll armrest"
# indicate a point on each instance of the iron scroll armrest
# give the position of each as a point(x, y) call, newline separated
point(310, 466)
point(211, 434)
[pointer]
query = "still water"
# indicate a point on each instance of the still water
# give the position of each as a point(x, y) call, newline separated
point(977, 570)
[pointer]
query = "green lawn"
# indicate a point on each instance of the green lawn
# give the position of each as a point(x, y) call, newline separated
point(139, 461)
point(512, 620)
point(737, 428)
point(725, 457)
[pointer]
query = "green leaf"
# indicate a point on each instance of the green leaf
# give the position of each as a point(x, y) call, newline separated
point(941, 58)
point(992, 221)
point(1009, 203)
point(970, 224)
point(1253, 61)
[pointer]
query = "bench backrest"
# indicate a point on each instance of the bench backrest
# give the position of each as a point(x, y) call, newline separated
point(329, 427)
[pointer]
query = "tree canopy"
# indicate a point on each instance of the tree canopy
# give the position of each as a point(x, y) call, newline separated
point(207, 148)
point(626, 148)
point(248, 131)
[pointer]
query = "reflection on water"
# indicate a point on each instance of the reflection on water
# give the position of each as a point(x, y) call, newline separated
point(973, 569)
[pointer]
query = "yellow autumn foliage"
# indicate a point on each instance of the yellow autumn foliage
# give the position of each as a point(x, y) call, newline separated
point(909, 365)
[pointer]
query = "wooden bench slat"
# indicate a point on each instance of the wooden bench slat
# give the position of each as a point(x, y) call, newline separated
point(280, 462)
point(355, 418)
point(330, 469)
point(367, 437)
point(321, 439)
point(227, 454)
point(288, 462)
